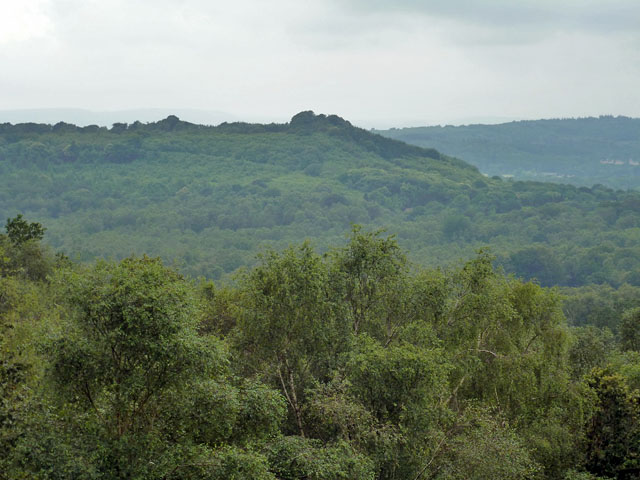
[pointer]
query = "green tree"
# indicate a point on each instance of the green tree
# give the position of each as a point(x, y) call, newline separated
point(613, 433)
point(288, 332)
point(367, 274)
point(404, 387)
point(136, 392)
point(590, 347)
point(128, 342)
point(508, 348)
point(20, 231)
point(294, 458)
point(480, 446)
point(630, 330)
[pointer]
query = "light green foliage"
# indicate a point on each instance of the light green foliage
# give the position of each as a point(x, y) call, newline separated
point(627, 364)
point(404, 388)
point(26, 307)
point(396, 382)
point(287, 329)
point(134, 392)
point(368, 272)
point(228, 463)
point(131, 339)
point(482, 446)
point(220, 308)
point(578, 475)
point(285, 298)
point(508, 348)
point(344, 337)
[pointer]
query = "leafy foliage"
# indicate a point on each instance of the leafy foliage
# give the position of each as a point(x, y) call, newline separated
point(630, 330)
point(353, 364)
point(19, 231)
point(614, 431)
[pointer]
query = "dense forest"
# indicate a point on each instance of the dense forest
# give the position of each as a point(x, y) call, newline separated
point(582, 151)
point(210, 198)
point(352, 364)
point(239, 350)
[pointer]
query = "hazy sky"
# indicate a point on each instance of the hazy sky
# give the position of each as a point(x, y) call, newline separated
point(375, 62)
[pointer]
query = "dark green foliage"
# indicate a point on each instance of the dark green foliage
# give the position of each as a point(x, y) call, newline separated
point(613, 436)
point(599, 305)
point(296, 458)
point(13, 394)
point(455, 227)
point(20, 231)
point(630, 330)
point(590, 348)
point(227, 463)
point(538, 262)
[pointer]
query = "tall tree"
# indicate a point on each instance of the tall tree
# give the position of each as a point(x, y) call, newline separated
point(137, 393)
point(367, 272)
point(288, 331)
point(20, 231)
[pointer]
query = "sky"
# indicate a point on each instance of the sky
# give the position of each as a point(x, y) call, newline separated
point(377, 63)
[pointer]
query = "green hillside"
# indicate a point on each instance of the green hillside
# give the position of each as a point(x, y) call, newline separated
point(583, 151)
point(211, 197)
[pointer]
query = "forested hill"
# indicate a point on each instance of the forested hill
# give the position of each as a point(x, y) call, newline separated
point(212, 197)
point(583, 151)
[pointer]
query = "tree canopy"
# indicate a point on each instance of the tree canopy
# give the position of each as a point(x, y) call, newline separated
point(352, 364)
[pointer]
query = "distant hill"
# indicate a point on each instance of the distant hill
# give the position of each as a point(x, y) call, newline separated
point(212, 197)
point(84, 117)
point(583, 151)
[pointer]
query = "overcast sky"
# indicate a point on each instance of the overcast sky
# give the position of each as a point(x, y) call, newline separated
point(378, 63)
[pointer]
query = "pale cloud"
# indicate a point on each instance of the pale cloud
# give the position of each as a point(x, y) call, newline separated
point(378, 63)
point(595, 15)
point(23, 20)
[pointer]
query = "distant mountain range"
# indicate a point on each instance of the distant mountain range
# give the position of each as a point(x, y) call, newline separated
point(106, 118)
point(582, 151)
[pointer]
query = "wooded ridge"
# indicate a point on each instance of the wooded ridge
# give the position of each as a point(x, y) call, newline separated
point(210, 198)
